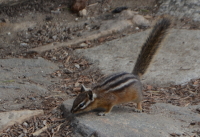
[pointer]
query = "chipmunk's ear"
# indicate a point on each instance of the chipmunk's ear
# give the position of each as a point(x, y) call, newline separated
point(90, 95)
point(83, 88)
point(89, 92)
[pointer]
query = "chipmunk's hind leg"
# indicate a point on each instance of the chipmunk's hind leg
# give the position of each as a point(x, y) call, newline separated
point(138, 97)
point(139, 107)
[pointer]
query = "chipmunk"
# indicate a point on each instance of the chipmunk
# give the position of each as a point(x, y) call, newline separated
point(123, 87)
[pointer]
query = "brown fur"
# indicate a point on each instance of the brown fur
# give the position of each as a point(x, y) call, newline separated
point(110, 99)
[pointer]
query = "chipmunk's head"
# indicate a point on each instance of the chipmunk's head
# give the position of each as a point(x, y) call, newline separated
point(83, 101)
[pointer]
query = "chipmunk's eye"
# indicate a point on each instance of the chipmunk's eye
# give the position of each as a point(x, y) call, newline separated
point(81, 105)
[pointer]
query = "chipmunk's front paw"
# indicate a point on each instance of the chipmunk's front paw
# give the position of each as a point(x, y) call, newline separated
point(102, 114)
point(137, 110)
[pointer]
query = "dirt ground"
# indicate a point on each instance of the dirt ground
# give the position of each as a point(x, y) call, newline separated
point(40, 22)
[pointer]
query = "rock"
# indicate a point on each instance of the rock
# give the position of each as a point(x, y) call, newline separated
point(23, 44)
point(83, 45)
point(25, 124)
point(83, 13)
point(26, 76)
point(76, 19)
point(44, 122)
point(123, 122)
point(87, 27)
point(54, 37)
point(53, 58)
point(137, 28)
point(141, 21)
point(16, 117)
point(127, 14)
point(121, 54)
point(77, 84)
point(59, 74)
point(180, 8)
point(77, 66)
point(56, 11)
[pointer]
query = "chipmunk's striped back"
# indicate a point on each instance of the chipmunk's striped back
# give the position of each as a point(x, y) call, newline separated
point(115, 82)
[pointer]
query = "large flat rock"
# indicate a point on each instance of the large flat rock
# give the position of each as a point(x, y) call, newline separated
point(16, 117)
point(180, 9)
point(164, 119)
point(177, 61)
point(23, 77)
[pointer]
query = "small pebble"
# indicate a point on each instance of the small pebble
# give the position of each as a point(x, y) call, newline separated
point(76, 19)
point(32, 98)
point(59, 75)
point(77, 66)
point(87, 27)
point(83, 13)
point(83, 45)
point(55, 11)
point(23, 44)
point(54, 58)
point(54, 37)
point(25, 124)
point(77, 84)
point(44, 122)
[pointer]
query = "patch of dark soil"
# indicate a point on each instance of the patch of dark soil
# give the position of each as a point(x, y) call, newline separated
point(179, 95)
point(49, 124)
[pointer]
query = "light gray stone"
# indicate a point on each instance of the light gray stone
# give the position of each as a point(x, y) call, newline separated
point(164, 120)
point(83, 13)
point(176, 62)
point(22, 77)
point(83, 45)
point(141, 21)
point(23, 44)
point(54, 37)
point(181, 8)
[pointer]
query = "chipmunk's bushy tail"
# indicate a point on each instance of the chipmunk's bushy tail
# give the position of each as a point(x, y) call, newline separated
point(151, 46)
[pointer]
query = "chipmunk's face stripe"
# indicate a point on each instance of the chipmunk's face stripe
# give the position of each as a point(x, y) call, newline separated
point(83, 104)
point(110, 78)
point(86, 104)
point(123, 85)
point(78, 106)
